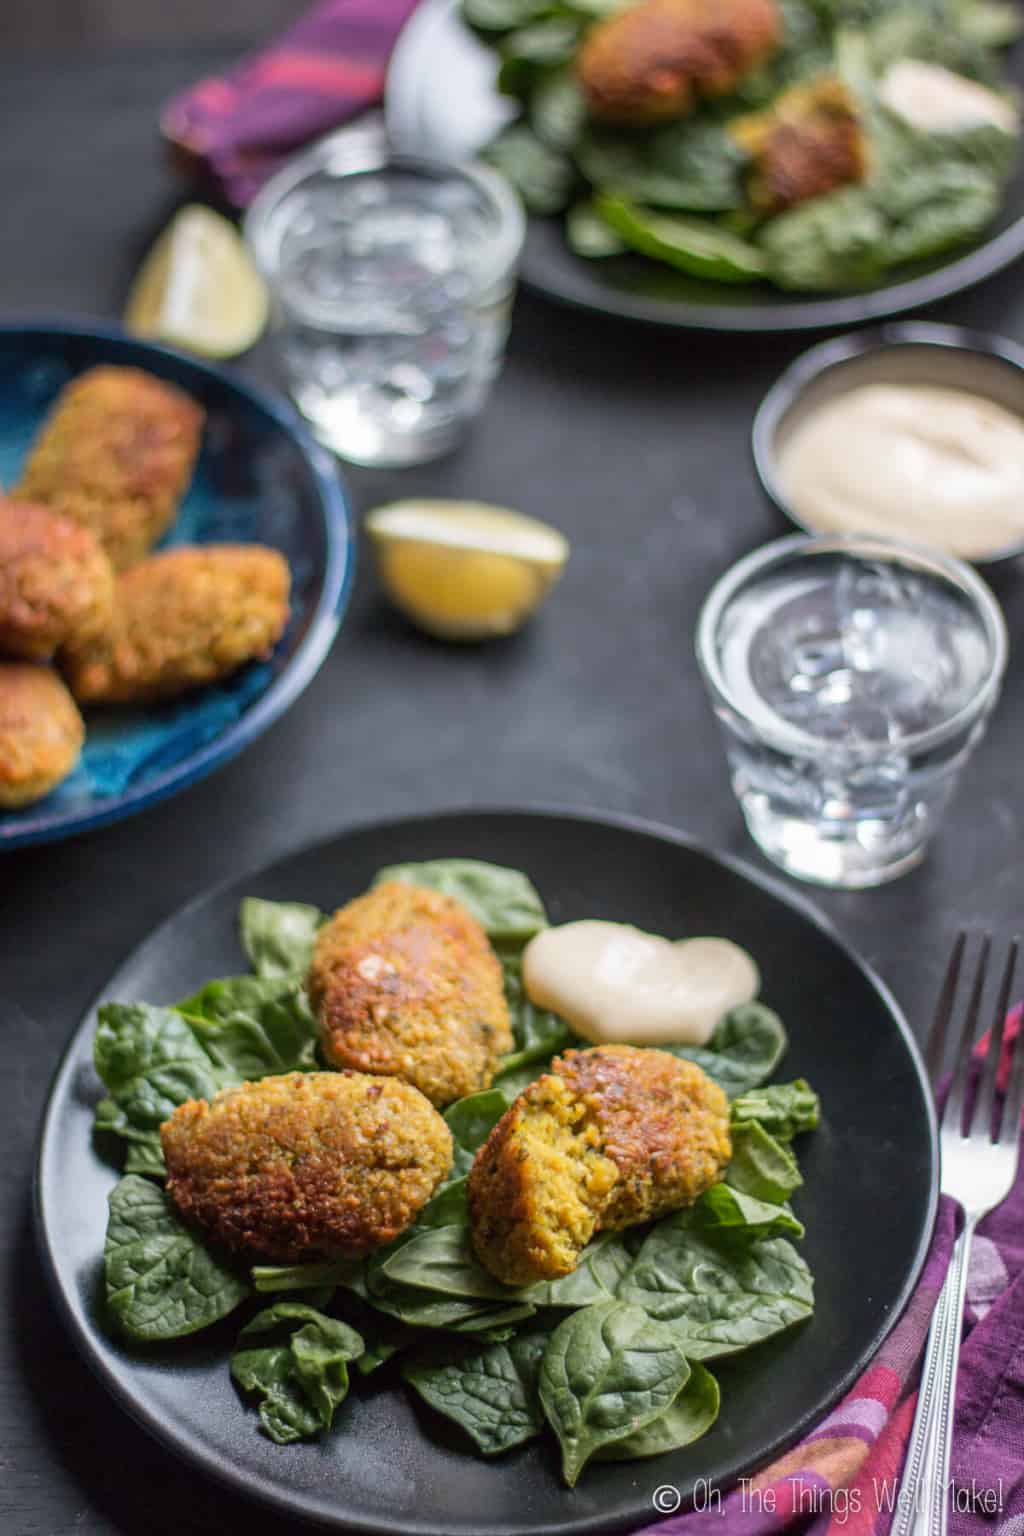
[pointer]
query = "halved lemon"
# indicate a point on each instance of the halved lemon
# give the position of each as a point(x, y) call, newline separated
point(464, 570)
point(198, 289)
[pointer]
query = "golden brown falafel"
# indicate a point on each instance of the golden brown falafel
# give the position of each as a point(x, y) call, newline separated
point(808, 142)
point(404, 983)
point(650, 62)
point(663, 1122)
point(181, 619)
point(610, 1137)
point(538, 1185)
point(55, 581)
point(312, 1164)
point(41, 732)
point(116, 453)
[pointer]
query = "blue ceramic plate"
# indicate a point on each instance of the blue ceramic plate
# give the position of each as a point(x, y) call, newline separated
point(260, 479)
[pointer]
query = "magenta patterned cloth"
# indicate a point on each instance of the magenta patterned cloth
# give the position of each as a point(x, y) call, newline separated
point(843, 1479)
point(324, 70)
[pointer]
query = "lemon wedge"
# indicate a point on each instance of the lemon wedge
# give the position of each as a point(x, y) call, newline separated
point(197, 289)
point(463, 570)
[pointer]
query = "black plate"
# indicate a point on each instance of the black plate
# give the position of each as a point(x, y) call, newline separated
point(442, 101)
point(391, 1466)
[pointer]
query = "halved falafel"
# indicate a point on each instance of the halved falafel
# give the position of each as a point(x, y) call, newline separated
point(610, 1137)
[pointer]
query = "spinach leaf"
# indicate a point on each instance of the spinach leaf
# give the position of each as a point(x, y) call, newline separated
point(301, 1377)
point(698, 246)
point(990, 23)
point(150, 1061)
point(252, 1028)
point(303, 1277)
point(722, 1207)
point(588, 234)
point(720, 1291)
point(835, 241)
point(161, 1282)
point(694, 165)
point(690, 1416)
point(490, 1391)
point(761, 1166)
point(543, 177)
point(390, 1339)
point(607, 1372)
point(502, 15)
point(784, 1110)
point(744, 1050)
point(503, 901)
point(541, 45)
point(557, 108)
point(446, 1208)
point(602, 1265)
point(460, 1314)
point(471, 1121)
point(145, 1152)
point(439, 1259)
point(936, 32)
point(278, 936)
point(941, 210)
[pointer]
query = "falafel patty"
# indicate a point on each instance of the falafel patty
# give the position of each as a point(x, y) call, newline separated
point(311, 1164)
point(808, 142)
point(610, 1137)
point(116, 453)
point(405, 983)
point(41, 732)
point(55, 581)
point(182, 619)
point(650, 62)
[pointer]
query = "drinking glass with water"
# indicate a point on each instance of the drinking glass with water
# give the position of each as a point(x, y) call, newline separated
point(852, 678)
point(391, 281)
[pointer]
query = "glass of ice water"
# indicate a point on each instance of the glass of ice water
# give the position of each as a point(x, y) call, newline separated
point(852, 678)
point(391, 280)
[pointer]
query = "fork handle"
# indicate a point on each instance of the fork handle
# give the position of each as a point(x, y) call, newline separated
point(914, 1508)
point(945, 1398)
point(923, 1505)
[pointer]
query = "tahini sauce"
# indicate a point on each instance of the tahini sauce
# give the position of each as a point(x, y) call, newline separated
point(614, 983)
point(941, 466)
point(935, 100)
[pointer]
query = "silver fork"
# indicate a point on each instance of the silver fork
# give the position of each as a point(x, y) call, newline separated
point(979, 1165)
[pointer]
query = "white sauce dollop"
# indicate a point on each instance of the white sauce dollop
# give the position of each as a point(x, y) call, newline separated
point(614, 983)
point(938, 465)
point(935, 100)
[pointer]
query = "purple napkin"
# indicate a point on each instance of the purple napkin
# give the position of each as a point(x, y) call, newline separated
point(324, 70)
point(843, 1478)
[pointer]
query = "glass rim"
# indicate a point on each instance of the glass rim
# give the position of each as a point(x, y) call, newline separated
point(894, 551)
point(361, 154)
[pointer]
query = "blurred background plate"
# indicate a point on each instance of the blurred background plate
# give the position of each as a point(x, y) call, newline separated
point(442, 100)
point(260, 479)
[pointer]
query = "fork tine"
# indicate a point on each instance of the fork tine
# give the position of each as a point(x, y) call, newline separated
point(955, 1102)
point(984, 1102)
point(943, 1010)
point(1014, 1101)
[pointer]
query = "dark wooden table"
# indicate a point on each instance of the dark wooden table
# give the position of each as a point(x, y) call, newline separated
point(635, 443)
